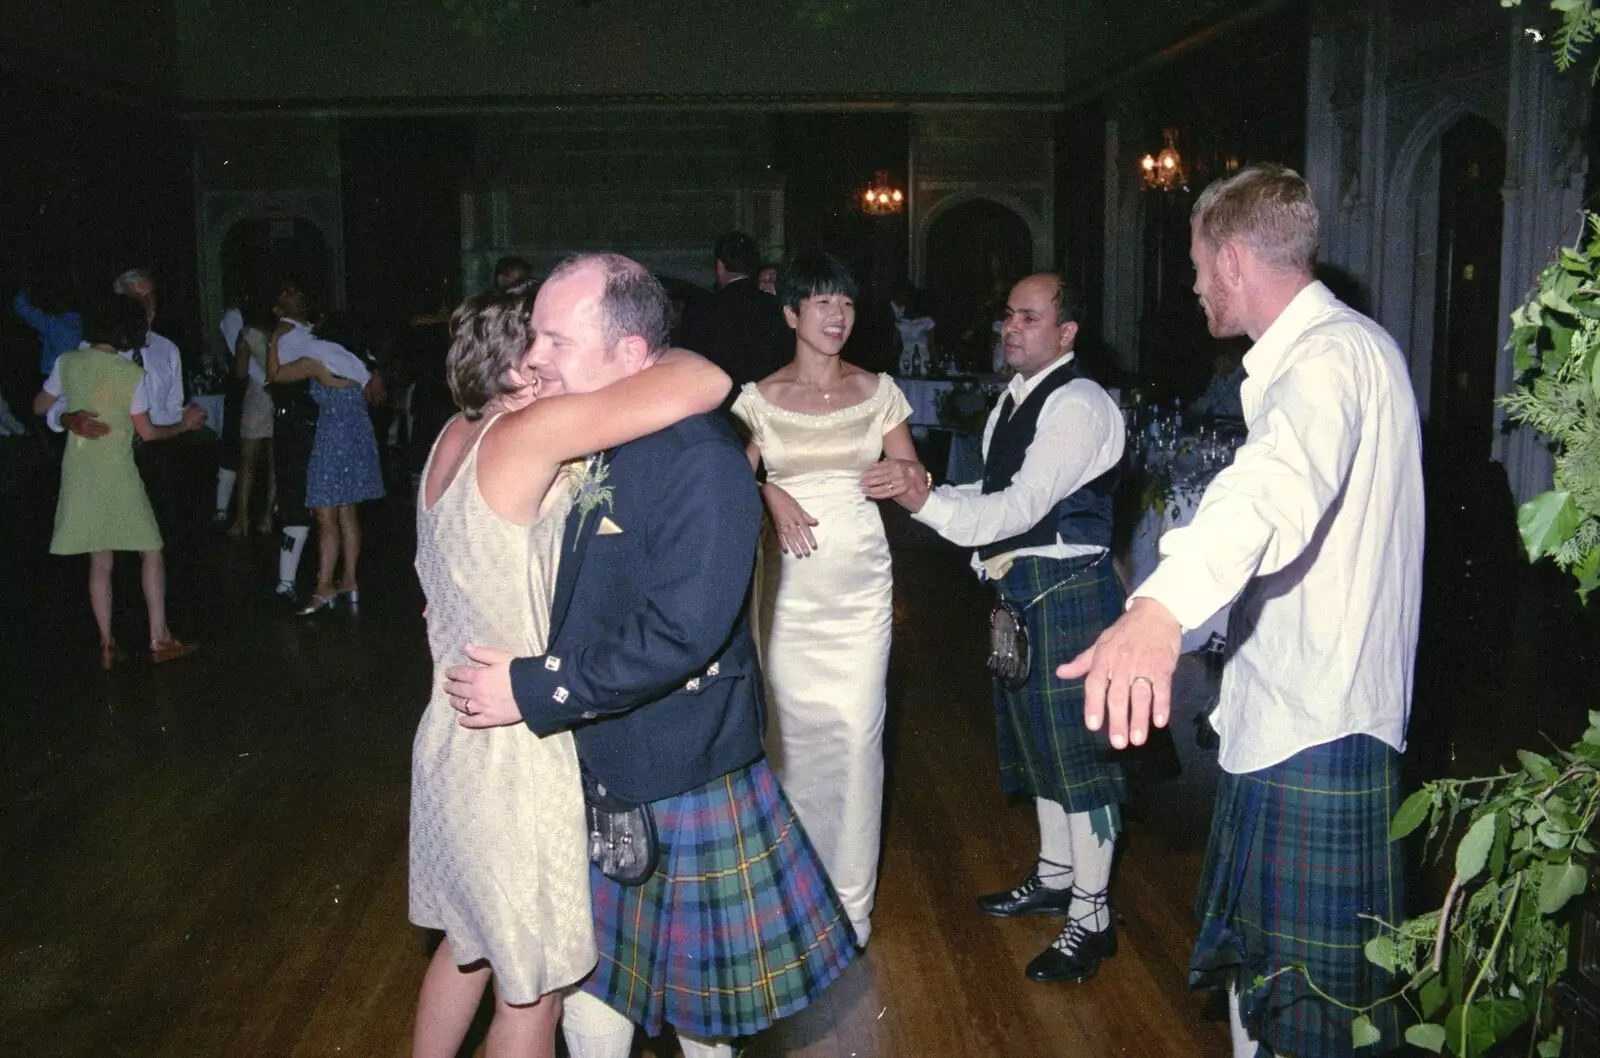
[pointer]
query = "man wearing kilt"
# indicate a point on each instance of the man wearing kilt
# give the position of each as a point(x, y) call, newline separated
point(1316, 528)
point(652, 666)
point(1041, 523)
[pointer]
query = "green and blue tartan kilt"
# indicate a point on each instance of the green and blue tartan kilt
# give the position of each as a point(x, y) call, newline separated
point(1298, 853)
point(1044, 749)
point(738, 927)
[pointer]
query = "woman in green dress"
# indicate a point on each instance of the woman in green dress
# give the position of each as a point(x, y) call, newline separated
point(103, 508)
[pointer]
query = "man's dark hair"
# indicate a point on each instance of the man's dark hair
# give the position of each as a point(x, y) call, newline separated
point(116, 320)
point(1069, 306)
point(738, 253)
point(512, 264)
point(809, 273)
point(634, 303)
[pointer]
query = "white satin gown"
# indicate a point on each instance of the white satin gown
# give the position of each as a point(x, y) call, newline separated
point(825, 628)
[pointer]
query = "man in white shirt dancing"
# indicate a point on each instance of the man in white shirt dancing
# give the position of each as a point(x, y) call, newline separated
point(1040, 521)
point(1317, 529)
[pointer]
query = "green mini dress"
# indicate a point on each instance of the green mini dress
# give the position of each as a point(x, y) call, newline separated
point(103, 506)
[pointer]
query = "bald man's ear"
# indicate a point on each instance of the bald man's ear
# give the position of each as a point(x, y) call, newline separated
point(1069, 334)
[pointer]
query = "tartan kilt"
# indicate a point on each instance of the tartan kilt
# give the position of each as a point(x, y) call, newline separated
point(1044, 749)
point(1298, 852)
point(739, 925)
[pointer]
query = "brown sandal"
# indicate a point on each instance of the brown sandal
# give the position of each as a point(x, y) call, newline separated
point(172, 650)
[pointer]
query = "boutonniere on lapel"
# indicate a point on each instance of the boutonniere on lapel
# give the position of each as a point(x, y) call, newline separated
point(589, 489)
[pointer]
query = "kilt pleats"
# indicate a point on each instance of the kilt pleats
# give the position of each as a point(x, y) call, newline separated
point(1298, 854)
point(739, 925)
point(1044, 749)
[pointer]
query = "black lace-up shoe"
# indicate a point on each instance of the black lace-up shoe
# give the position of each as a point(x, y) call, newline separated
point(1032, 897)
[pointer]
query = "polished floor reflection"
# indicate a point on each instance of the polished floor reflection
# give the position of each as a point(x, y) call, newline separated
point(210, 857)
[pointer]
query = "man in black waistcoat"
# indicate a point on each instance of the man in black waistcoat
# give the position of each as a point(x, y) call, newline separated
point(740, 328)
point(1040, 521)
point(652, 666)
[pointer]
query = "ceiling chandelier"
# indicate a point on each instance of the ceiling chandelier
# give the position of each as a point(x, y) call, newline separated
point(881, 197)
point(1165, 171)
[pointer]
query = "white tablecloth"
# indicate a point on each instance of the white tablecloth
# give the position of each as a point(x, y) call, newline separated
point(212, 403)
point(966, 451)
point(1144, 555)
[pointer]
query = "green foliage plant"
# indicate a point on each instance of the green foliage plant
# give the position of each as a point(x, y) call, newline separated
point(1484, 965)
point(1555, 342)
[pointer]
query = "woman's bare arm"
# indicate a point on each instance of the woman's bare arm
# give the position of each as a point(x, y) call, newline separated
point(676, 386)
point(241, 358)
point(301, 369)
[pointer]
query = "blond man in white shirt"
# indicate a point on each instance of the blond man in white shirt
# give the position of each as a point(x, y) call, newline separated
point(1316, 529)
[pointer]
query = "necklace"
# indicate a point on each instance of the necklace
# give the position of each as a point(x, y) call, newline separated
point(827, 394)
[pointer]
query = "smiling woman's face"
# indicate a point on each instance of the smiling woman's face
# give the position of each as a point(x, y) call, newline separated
point(823, 321)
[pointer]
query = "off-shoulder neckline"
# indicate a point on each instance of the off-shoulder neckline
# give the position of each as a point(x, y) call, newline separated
point(885, 383)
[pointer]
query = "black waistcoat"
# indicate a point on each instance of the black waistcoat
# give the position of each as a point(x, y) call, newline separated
point(1084, 517)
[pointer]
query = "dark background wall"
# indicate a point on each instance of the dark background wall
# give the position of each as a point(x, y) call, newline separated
point(92, 182)
point(243, 49)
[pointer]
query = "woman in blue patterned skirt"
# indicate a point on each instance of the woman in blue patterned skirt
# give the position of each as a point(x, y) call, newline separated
point(344, 468)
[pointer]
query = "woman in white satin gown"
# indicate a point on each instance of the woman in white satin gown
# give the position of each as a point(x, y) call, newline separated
point(826, 589)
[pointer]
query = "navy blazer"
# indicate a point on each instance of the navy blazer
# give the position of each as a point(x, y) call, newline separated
point(651, 662)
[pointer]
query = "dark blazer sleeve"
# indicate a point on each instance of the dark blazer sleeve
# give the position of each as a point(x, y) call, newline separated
point(706, 520)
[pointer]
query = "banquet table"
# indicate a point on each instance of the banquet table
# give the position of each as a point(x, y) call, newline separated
point(966, 450)
point(213, 404)
point(1177, 508)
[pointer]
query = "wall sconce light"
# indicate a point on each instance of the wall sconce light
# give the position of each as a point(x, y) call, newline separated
point(881, 197)
point(1165, 171)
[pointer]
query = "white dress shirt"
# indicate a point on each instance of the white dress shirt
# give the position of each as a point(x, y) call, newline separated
point(1318, 523)
point(1080, 436)
point(299, 343)
point(161, 391)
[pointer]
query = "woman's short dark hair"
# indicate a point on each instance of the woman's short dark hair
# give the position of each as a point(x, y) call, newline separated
point(117, 320)
point(490, 334)
point(811, 273)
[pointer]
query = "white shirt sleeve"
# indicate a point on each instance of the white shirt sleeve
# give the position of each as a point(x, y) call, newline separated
point(1261, 512)
point(1080, 437)
point(52, 385)
point(141, 397)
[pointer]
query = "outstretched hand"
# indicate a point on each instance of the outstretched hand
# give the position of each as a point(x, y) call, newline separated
point(481, 692)
point(1127, 673)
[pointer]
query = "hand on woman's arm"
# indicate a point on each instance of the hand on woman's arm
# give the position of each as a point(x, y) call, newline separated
point(899, 476)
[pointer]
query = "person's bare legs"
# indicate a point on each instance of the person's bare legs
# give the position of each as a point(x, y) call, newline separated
point(350, 536)
point(327, 549)
point(153, 578)
point(527, 1031)
point(249, 455)
point(272, 488)
point(446, 1005)
point(100, 563)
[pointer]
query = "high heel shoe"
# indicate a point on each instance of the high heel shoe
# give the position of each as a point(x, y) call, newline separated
point(353, 597)
point(317, 603)
point(110, 655)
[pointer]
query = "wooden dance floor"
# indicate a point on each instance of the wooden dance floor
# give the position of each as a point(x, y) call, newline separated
point(209, 858)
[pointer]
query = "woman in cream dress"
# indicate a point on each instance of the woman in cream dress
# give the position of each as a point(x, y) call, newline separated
point(826, 589)
point(499, 854)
